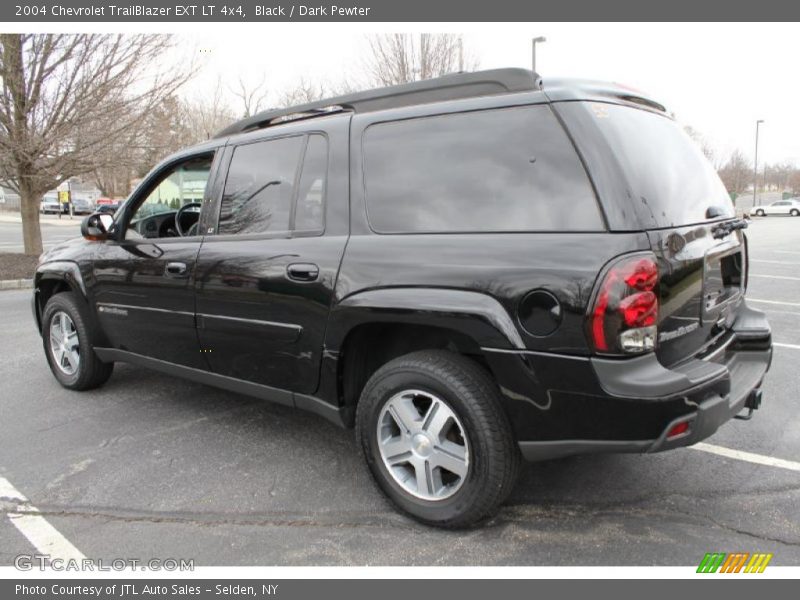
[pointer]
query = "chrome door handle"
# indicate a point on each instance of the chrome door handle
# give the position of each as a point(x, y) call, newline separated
point(302, 272)
point(175, 269)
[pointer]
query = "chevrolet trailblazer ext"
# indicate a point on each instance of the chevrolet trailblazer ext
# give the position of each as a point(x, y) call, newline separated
point(469, 270)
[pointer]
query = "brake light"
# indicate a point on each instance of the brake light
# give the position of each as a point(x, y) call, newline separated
point(625, 312)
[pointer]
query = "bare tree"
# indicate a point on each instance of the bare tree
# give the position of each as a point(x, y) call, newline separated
point(205, 117)
point(702, 142)
point(304, 92)
point(737, 173)
point(403, 57)
point(68, 102)
point(252, 98)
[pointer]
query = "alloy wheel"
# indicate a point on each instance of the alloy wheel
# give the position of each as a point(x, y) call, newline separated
point(64, 343)
point(423, 445)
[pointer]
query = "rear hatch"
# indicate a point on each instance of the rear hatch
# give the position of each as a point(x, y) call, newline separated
point(665, 186)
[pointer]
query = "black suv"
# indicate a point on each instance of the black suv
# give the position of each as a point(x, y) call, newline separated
point(469, 270)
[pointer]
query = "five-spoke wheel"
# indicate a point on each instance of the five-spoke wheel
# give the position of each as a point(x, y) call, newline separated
point(434, 434)
point(64, 343)
point(422, 444)
point(68, 336)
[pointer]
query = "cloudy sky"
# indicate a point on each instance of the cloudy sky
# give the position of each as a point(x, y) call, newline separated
point(718, 78)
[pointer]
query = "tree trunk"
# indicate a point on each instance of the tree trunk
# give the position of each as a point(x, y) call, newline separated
point(29, 209)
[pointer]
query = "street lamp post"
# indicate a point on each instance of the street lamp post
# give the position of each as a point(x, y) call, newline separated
point(755, 163)
point(535, 41)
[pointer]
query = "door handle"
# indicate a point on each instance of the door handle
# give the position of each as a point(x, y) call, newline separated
point(175, 269)
point(302, 272)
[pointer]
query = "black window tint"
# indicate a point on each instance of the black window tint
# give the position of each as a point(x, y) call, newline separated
point(258, 191)
point(669, 181)
point(309, 214)
point(500, 170)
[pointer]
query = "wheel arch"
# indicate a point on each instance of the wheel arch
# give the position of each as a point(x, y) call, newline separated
point(54, 278)
point(369, 329)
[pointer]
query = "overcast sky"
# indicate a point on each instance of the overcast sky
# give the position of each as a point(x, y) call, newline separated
point(718, 78)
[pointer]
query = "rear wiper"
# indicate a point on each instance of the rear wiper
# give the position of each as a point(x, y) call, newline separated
point(723, 230)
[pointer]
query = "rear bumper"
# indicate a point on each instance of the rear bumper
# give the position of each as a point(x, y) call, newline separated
point(589, 405)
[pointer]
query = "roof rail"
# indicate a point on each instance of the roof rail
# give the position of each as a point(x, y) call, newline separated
point(448, 87)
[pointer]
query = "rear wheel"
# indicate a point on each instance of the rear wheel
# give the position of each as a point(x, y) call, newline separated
point(68, 346)
point(795, 212)
point(436, 439)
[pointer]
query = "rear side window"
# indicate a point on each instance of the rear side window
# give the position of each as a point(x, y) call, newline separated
point(669, 181)
point(259, 189)
point(511, 169)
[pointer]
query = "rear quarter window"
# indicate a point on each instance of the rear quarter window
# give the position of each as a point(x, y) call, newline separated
point(510, 169)
point(667, 182)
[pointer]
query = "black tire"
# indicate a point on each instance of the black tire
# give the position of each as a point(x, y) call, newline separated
point(91, 371)
point(795, 212)
point(760, 213)
point(471, 394)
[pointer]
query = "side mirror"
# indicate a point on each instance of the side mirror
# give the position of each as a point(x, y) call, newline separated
point(96, 226)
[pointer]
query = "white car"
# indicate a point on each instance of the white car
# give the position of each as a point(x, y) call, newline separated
point(790, 206)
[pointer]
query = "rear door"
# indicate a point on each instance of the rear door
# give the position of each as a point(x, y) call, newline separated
point(653, 177)
point(266, 276)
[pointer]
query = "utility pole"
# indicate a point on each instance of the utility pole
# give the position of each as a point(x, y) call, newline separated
point(535, 41)
point(755, 163)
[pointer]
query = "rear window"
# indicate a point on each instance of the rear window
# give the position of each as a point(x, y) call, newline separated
point(667, 175)
point(498, 170)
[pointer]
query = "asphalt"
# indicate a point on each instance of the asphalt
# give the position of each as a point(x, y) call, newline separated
point(151, 466)
point(53, 232)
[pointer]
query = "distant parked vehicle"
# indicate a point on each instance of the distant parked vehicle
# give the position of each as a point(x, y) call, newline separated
point(49, 205)
point(790, 206)
point(108, 209)
point(81, 206)
point(107, 205)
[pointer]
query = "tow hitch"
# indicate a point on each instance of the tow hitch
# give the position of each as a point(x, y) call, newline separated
point(752, 403)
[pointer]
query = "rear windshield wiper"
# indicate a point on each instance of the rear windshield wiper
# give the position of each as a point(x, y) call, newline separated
point(725, 229)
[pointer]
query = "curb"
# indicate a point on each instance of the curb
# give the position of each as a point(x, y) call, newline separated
point(16, 284)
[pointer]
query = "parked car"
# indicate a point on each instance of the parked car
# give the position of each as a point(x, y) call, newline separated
point(107, 205)
point(82, 206)
point(469, 271)
point(790, 206)
point(49, 205)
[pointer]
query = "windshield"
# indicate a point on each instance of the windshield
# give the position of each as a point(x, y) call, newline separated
point(666, 175)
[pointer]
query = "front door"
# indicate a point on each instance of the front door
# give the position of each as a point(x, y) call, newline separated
point(265, 280)
point(144, 278)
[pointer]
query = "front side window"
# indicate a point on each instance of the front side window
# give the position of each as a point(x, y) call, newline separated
point(511, 169)
point(181, 186)
point(259, 189)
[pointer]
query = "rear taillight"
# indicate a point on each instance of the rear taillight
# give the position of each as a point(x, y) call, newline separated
point(625, 311)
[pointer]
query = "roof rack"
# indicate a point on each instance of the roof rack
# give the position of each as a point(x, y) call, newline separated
point(448, 87)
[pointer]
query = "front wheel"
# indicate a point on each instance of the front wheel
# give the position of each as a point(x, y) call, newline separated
point(760, 213)
point(68, 345)
point(436, 439)
point(795, 212)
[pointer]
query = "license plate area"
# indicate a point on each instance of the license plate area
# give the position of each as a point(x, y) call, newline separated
point(723, 281)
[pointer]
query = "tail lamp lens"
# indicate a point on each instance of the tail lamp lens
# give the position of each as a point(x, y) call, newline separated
point(625, 311)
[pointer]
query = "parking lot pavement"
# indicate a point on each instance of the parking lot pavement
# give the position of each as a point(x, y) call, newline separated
point(150, 466)
point(53, 232)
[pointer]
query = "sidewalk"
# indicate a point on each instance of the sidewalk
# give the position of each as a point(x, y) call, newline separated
point(65, 221)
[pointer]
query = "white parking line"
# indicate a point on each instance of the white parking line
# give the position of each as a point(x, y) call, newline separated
point(775, 277)
point(792, 346)
point(773, 302)
point(758, 459)
point(785, 251)
point(775, 262)
point(38, 531)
